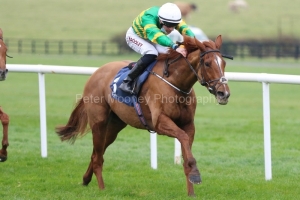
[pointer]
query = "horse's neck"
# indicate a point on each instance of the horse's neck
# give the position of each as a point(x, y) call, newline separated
point(182, 75)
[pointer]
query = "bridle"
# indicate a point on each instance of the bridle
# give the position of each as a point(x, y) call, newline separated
point(212, 89)
point(3, 73)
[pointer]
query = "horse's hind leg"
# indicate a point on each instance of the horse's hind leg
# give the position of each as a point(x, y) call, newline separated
point(104, 134)
point(87, 177)
point(5, 121)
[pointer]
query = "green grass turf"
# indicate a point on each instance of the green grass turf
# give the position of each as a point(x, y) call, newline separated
point(229, 140)
point(228, 144)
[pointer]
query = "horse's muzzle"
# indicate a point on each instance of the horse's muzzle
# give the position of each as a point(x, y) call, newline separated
point(222, 97)
point(222, 94)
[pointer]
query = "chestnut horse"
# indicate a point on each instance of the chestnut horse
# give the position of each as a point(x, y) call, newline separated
point(107, 117)
point(3, 116)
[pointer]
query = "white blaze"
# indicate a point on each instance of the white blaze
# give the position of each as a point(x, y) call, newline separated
point(218, 61)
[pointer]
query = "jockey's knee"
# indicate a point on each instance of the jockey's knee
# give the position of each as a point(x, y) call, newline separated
point(148, 58)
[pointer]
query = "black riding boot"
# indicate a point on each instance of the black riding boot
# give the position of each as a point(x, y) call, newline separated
point(127, 85)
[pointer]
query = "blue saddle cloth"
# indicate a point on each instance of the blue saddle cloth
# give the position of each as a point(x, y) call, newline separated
point(125, 97)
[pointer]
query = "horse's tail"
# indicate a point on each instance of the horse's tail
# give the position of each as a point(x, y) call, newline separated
point(76, 126)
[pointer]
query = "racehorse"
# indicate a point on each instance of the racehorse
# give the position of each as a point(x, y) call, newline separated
point(3, 116)
point(172, 77)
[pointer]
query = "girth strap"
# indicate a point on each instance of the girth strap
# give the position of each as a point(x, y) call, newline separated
point(139, 112)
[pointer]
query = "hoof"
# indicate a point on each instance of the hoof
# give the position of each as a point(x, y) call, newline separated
point(3, 158)
point(85, 184)
point(195, 179)
point(86, 181)
point(192, 195)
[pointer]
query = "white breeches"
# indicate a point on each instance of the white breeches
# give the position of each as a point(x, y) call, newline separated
point(143, 46)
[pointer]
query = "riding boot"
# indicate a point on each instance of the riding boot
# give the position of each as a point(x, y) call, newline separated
point(127, 85)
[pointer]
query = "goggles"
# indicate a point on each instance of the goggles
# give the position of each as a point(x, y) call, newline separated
point(168, 24)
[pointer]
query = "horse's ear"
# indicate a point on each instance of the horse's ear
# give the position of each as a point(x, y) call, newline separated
point(218, 42)
point(1, 33)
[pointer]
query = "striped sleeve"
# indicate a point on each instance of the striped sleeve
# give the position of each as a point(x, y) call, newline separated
point(184, 29)
point(146, 26)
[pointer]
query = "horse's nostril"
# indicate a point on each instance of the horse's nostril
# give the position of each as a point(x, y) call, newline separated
point(220, 93)
point(223, 95)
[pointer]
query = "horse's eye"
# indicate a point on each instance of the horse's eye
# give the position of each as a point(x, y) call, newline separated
point(206, 64)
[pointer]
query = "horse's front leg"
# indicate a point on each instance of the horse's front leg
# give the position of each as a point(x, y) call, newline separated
point(5, 121)
point(166, 126)
point(191, 171)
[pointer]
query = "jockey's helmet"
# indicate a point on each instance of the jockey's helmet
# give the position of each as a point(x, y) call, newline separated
point(169, 14)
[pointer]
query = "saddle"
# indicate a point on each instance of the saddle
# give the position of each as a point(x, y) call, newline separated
point(126, 97)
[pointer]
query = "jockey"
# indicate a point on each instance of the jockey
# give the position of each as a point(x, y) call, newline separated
point(148, 37)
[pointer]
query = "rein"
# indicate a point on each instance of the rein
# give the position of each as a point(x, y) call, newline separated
point(166, 66)
point(211, 89)
point(223, 55)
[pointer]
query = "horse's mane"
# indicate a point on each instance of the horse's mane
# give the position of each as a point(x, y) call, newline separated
point(209, 44)
point(190, 45)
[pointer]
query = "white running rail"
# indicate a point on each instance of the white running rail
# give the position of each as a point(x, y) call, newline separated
point(264, 78)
